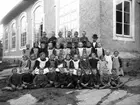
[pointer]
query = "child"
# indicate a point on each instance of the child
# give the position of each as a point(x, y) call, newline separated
point(80, 49)
point(95, 73)
point(84, 39)
point(102, 66)
point(70, 79)
point(43, 48)
point(108, 58)
point(52, 62)
point(88, 49)
point(75, 64)
point(74, 50)
point(41, 63)
point(115, 80)
point(69, 39)
point(14, 81)
point(43, 38)
point(57, 50)
point(84, 63)
point(60, 63)
point(117, 63)
point(35, 49)
point(60, 39)
point(105, 81)
point(32, 62)
point(76, 39)
point(78, 79)
point(24, 64)
point(66, 50)
point(51, 75)
point(53, 39)
point(27, 79)
point(61, 79)
point(50, 50)
point(99, 50)
point(40, 80)
point(26, 51)
point(86, 80)
point(67, 62)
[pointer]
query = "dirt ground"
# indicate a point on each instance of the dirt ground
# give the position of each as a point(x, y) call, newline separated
point(47, 96)
point(55, 96)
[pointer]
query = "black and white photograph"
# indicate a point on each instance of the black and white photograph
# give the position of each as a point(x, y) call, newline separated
point(69, 52)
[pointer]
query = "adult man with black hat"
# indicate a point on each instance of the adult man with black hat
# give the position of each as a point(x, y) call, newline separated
point(94, 43)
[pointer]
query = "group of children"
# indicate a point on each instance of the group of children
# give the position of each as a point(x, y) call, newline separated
point(67, 63)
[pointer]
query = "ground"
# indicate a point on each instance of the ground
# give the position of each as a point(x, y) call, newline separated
point(128, 95)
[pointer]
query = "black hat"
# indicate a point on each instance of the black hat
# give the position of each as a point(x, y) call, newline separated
point(95, 36)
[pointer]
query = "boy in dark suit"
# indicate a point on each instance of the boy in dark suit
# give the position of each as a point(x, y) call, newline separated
point(94, 44)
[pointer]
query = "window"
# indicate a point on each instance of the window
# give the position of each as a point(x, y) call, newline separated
point(23, 31)
point(6, 39)
point(123, 18)
point(13, 35)
point(37, 22)
point(68, 16)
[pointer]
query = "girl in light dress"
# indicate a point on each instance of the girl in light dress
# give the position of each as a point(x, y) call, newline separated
point(108, 58)
point(117, 63)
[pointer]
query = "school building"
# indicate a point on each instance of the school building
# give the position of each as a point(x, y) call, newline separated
point(116, 22)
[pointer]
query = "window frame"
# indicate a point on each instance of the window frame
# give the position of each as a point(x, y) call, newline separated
point(6, 30)
point(13, 22)
point(123, 37)
point(39, 3)
point(64, 15)
point(24, 14)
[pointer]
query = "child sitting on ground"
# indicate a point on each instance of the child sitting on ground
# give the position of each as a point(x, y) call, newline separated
point(78, 80)
point(27, 79)
point(14, 81)
point(51, 75)
point(40, 80)
point(117, 63)
point(70, 79)
point(86, 80)
point(115, 80)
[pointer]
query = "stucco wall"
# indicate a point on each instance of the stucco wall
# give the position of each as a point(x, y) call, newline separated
point(90, 17)
point(107, 29)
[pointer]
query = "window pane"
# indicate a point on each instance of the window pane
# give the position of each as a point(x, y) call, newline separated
point(126, 18)
point(126, 29)
point(118, 16)
point(127, 6)
point(119, 28)
point(119, 7)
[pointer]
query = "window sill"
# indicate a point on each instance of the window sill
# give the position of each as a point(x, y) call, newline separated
point(123, 38)
point(13, 50)
point(21, 48)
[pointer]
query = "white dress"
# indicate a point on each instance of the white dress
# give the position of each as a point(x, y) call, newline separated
point(109, 63)
point(80, 51)
point(42, 65)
